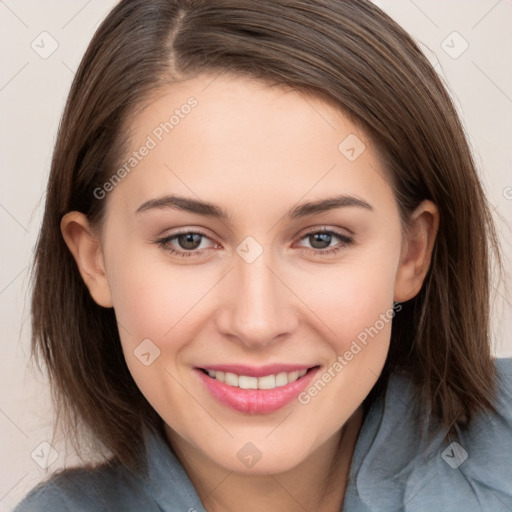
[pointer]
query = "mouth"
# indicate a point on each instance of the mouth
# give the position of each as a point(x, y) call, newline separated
point(256, 391)
point(272, 381)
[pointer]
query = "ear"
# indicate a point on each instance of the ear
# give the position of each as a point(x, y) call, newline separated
point(85, 246)
point(416, 254)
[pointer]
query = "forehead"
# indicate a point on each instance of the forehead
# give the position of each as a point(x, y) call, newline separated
point(240, 139)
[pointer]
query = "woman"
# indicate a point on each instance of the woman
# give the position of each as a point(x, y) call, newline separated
point(262, 280)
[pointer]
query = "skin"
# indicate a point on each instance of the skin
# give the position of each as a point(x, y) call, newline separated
point(255, 151)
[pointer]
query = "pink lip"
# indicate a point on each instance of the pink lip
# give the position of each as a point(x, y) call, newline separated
point(255, 401)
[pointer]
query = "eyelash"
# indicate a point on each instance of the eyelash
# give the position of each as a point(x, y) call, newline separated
point(345, 241)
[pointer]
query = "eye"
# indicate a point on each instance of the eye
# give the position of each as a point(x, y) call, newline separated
point(188, 241)
point(321, 240)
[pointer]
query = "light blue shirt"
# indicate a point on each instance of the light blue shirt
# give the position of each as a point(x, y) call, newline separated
point(391, 470)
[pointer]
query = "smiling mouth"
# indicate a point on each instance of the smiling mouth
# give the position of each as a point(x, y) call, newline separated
point(271, 381)
point(265, 390)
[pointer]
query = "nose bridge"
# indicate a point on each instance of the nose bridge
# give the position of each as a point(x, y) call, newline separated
point(258, 307)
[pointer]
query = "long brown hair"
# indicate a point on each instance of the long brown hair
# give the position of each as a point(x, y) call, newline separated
point(349, 53)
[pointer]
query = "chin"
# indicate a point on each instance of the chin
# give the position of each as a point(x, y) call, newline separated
point(257, 459)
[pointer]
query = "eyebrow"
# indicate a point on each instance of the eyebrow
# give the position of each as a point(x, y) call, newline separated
point(211, 210)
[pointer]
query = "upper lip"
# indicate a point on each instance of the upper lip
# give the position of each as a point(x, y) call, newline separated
point(257, 371)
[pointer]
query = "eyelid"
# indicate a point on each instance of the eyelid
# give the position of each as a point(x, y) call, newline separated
point(167, 238)
point(345, 240)
point(325, 228)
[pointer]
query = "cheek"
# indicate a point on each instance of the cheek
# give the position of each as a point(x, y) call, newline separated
point(356, 310)
point(352, 297)
point(154, 307)
point(156, 301)
point(143, 303)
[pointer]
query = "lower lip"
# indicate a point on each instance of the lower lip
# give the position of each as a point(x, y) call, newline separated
point(256, 401)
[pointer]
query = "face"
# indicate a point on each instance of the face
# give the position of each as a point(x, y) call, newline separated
point(295, 301)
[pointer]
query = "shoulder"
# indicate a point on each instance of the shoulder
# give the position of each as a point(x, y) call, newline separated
point(504, 375)
point(409, 471)
point(105, 487)
point(475, 469)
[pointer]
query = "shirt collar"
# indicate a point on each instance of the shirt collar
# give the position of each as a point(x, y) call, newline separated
point(167, 479)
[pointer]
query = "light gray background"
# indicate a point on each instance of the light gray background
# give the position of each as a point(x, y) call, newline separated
point(32, 94)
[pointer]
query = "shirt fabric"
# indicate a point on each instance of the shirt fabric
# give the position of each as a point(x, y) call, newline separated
point(391, 470)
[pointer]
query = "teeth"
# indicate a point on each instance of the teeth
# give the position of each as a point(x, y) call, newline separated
point(247, 382)
point(230, 379)
point(281, 379)
point(292, 376)
point(266, 382)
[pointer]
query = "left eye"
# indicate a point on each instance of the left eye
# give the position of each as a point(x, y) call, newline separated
point(323, 237)
point(190, 241)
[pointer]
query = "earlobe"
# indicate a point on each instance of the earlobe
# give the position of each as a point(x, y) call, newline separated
point(86, 250)
point(417, 249)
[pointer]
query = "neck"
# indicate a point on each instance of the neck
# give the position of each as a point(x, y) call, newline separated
point(317, 483)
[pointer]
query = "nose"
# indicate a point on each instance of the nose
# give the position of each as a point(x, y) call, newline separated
point(257, 307)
